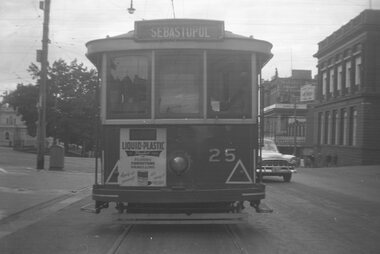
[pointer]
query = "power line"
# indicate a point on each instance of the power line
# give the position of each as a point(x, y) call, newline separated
point(173, 9)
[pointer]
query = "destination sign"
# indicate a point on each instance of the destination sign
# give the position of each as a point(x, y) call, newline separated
point(179, 29)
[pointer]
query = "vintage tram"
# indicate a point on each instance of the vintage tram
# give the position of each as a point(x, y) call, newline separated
point(179, 126)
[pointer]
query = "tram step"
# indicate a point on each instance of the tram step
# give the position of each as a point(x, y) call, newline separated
point(201, 218)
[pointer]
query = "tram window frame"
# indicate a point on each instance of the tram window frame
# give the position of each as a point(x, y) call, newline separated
point(110, 114)
point(198, 67)
point(223, 107)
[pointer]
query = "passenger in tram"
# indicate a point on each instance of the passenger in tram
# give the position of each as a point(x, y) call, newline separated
point(239, 100)
point(236, 96)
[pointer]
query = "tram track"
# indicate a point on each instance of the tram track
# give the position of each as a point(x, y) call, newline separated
point(236, 239)
point(118, 243)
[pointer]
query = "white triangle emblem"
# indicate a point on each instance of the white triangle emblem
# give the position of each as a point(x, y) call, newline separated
point(114, 169)
point(237, 173)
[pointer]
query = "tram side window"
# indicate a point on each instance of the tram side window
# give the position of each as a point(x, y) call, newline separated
point(179, 82)
point(229, 85)
point(128, 87)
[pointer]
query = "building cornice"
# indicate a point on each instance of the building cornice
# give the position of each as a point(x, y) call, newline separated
point(368, 20)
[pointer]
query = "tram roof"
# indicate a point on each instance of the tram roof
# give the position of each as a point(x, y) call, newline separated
point(228, 41)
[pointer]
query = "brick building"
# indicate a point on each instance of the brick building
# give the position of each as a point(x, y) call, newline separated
point(347, 112)
point(285, 111)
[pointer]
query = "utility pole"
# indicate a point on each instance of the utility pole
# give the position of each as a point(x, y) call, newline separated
point(41, 128)
point(295, 127)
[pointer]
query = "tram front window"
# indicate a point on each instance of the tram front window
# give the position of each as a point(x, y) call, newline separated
point(229, 85)
point(128, 91)
point(179, 82)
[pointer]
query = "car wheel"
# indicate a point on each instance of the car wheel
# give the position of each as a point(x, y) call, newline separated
point(287, 178)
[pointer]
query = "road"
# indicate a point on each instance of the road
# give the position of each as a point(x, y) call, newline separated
point(323, 210)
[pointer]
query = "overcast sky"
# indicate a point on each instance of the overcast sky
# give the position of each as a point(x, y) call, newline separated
point(294, 27)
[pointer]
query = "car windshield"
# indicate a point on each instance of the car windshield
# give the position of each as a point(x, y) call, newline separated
point(269, 146)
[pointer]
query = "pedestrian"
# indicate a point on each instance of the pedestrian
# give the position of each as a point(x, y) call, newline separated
point(335, 160)
point(328, 160)
point(312, 161)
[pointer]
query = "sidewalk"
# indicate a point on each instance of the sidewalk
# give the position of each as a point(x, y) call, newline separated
point(23, 187)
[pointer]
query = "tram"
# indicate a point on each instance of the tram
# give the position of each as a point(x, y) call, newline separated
point(179, 122)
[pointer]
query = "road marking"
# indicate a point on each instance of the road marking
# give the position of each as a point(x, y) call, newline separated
point(3, 171)
point(16, 190)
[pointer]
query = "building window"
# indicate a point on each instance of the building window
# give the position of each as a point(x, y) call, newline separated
point(320, 128)
point(343, 127)
point(327, 128)
point(324, 84)
point(358, 63)
point(332, 83)
point(334, 127)
point(339, 78)
point(348, 75)
point(353, 126)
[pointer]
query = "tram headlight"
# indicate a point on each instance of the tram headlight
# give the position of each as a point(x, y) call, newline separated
point(179, 163)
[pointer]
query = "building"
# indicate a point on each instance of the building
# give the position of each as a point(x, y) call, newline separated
point(13, 131)
point(285, 110)
point(347, 113)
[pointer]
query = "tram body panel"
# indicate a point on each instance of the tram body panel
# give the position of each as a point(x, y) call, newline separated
point(179, 117)
point(220, 158)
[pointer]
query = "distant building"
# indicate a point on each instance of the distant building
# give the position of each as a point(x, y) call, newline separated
point(13, 131)
point(347, 115)
point(285, 110)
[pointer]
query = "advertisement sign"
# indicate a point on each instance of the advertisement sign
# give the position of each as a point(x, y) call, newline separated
point(307, 93)
point(179, 30)
point(142, 160)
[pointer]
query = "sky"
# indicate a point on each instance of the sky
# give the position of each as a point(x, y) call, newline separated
point(294, 27)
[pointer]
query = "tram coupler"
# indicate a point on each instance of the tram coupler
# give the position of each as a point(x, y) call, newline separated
point(261, 207)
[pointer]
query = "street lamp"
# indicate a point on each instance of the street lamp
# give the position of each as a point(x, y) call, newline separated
point(131, 10)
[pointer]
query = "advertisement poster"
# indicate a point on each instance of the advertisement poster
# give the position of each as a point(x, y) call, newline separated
point(142, 161)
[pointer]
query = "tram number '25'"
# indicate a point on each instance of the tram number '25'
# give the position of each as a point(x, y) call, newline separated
point(216, 155)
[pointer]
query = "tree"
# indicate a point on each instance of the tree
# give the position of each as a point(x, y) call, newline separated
point(71, 104)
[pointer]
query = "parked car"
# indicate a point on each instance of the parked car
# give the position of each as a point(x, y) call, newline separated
point(274, 163)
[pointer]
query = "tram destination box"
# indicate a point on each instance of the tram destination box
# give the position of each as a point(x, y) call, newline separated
point(179, 30)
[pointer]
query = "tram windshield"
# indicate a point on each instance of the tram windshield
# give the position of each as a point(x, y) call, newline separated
point(229, 85)
point(179, 80)
point(128, 88)
point(181, 88)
